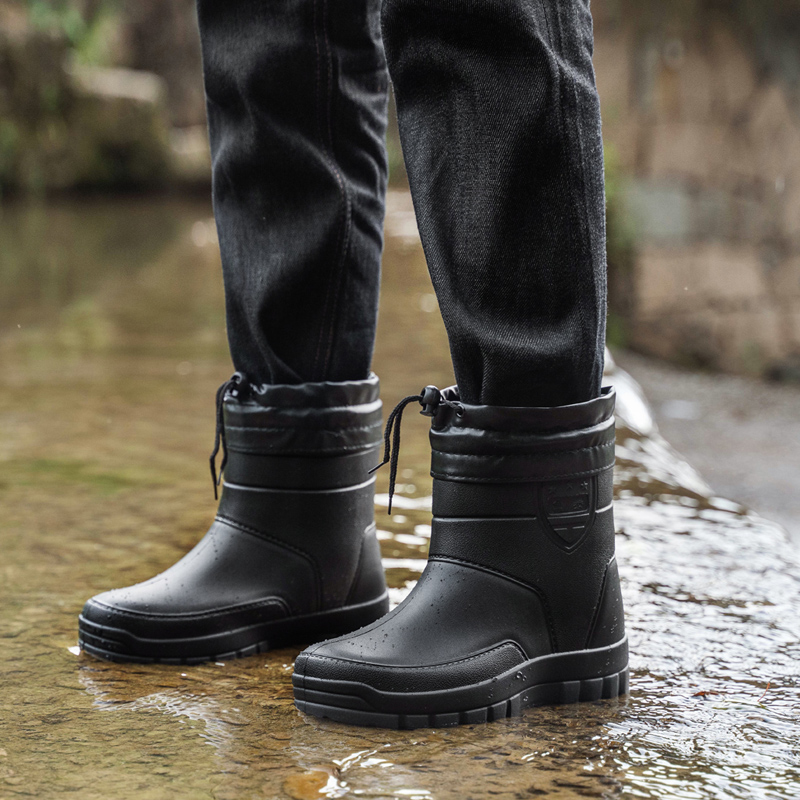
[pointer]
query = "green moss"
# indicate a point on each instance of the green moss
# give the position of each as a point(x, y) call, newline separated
point(61, 16)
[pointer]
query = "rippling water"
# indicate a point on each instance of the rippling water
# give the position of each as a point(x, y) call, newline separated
point(111, 343)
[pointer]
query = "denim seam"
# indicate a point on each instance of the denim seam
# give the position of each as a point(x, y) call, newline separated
point(340, 273)
point(577, 288)
point(328, 322)
point(582, 190)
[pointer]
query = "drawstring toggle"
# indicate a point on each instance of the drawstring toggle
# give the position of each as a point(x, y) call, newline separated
point(431, 399)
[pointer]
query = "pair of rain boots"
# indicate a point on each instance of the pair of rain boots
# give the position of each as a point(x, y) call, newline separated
point(519, 604)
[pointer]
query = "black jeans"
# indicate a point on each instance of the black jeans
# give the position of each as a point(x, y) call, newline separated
point(500, 127)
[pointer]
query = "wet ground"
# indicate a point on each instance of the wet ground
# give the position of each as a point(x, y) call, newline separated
point(743, 434)
point(111, 347)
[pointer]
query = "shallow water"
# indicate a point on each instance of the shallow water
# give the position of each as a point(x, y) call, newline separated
point(111, 346)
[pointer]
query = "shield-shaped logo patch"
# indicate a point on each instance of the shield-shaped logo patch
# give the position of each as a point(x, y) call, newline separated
point(567, 510)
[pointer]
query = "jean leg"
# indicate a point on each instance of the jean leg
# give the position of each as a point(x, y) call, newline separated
point(500, 126)
point(296, 95)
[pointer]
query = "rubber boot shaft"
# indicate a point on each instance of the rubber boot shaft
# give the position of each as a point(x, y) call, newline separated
point(291, 555)
point(519, 604)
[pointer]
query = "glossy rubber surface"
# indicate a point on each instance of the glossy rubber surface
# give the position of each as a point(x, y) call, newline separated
point(519, 604)
point(291, 556)
point(116, 644)
point(507, 695)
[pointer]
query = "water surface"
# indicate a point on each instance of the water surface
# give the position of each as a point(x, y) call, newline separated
point(111, 346)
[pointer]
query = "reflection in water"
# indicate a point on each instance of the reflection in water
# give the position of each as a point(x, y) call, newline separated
point(104, 441)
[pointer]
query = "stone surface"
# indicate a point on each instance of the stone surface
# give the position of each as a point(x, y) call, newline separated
point(734, 80)
point(64, 126)
point(706, 134)
point(672, 280)
point(119, 133)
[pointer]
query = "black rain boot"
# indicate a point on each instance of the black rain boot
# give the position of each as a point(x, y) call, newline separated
point(292, 555)
point(519, 604)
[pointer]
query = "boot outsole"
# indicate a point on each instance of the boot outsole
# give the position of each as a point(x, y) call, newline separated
point(549, 694)
point(119, 645)
point(329, 699)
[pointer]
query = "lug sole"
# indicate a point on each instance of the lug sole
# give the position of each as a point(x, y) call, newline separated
point(359, 704)
point(116, 644)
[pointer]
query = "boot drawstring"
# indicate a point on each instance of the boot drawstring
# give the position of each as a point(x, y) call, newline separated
point(430, 399)
point(231, 386)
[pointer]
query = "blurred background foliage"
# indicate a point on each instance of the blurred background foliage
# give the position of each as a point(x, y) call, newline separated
point(88, 26)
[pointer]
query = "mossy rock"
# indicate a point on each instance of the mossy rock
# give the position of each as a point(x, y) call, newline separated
point(119, 135)
point(76, 127)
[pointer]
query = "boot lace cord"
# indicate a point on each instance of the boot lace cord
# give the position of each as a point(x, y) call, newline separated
point(231, 385)
point(430, 399)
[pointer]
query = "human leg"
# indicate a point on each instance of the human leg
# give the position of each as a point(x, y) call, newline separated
point(520, 602)
point(500, 126)
point(297, 94)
